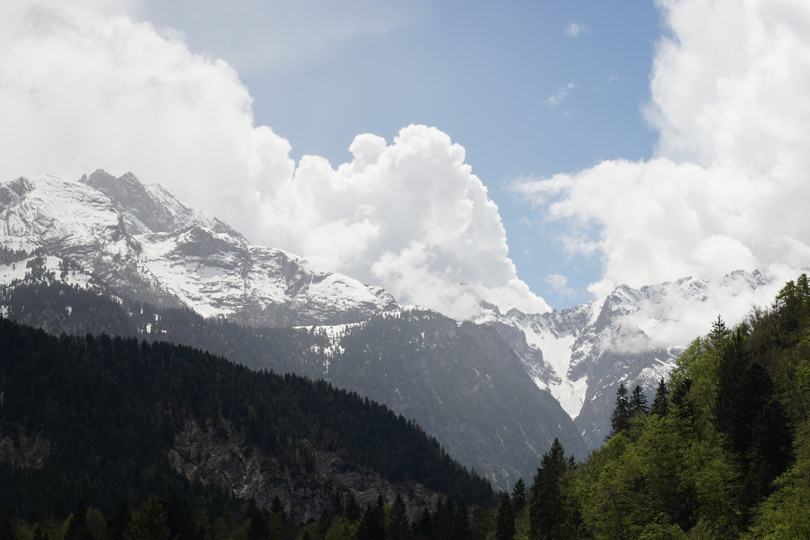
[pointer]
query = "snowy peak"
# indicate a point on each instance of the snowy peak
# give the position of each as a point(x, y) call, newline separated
point(581, 354)
point(142, 242)
point(150, 208)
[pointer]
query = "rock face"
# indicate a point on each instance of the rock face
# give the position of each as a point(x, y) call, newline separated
point(459, 381)
point(217, 455)
point(24, 451)
point(143, 243)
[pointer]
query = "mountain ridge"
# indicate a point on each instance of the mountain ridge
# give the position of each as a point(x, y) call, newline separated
point(145, 245)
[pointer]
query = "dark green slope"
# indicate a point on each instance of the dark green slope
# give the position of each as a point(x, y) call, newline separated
point(460, 382)
point(98, 418)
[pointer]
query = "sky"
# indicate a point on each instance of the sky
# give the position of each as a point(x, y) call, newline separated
point(533, 154)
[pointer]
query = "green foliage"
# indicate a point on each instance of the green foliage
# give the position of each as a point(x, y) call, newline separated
point(660, 403)
point(519, 495)
point(620, 418)
point(148, 522)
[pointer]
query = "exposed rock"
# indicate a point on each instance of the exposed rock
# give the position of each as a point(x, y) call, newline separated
point(24, 451)
point(217, 454)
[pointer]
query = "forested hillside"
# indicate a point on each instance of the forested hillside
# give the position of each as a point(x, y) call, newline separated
point(722, 450)
point(104, 420)
point(459, 381)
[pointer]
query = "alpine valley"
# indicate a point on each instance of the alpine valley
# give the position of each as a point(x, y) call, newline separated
point(112, 255)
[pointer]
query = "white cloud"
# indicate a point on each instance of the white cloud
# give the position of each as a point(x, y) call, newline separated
point(82, 90)
point(555, 99)
point(727, 186)
point(574, 29)
point(559, 284)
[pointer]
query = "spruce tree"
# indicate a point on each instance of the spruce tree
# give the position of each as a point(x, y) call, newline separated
point(719, 332)
point(638, 403)
point(372, 524)
point(549, 512)
point(661, 400)
point(505, 521)
point(397, 520)
point(519, 495)
point(620, 419)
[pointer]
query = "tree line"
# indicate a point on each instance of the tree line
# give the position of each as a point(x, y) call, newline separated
point(723, 451)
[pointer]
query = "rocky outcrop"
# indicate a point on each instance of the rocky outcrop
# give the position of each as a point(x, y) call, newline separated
point(24, 451)
point(217, 454)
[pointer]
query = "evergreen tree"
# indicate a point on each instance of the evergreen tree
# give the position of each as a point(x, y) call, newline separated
point(519, 495)
point(638, 403)
point(77, 528)
point(620, 419)
point(278, 524)
point(257, 528)
point(719, 332)
point(661, 400)
point(117, 524)
point(353, 510)
point(505, 521)
point(148, 522)
point(397, 520)
point(549, 512)
point(372, 525)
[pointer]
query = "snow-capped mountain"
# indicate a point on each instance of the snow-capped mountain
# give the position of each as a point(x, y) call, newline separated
point(581, 354)
point(143, 243)
point(138, 242)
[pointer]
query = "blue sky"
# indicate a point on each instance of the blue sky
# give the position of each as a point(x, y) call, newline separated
point(527, 88)
point(532, 154)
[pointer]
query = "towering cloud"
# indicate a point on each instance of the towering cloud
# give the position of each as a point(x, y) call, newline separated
point(727, 187)
point(81, 89)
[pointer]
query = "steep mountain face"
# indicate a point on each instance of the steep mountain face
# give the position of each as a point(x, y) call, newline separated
point(143, 243)
point(460, 381)
point(582, 354)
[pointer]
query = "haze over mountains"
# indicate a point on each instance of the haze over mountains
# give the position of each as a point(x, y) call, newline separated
point(495, 391)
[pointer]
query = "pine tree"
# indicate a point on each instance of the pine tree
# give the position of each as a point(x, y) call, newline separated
point(372, 525)
point(638, 403)
point(719, 332)
point(620, 419)
point(661, 400)
point(519, 495)
point(549, 512)
point(353, 510)
point(257, 524)
point(77, 528)
point(505, 522)
point(397, 520)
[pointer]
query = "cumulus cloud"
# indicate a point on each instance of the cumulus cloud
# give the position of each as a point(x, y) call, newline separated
point(727, 187)
point(574, 29)
point(83, 89)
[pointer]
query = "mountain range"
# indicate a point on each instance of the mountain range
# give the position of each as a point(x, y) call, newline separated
point(495, 391)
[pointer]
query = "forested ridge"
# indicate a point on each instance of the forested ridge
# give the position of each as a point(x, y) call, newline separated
point(99, 415)
point(721, 452)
